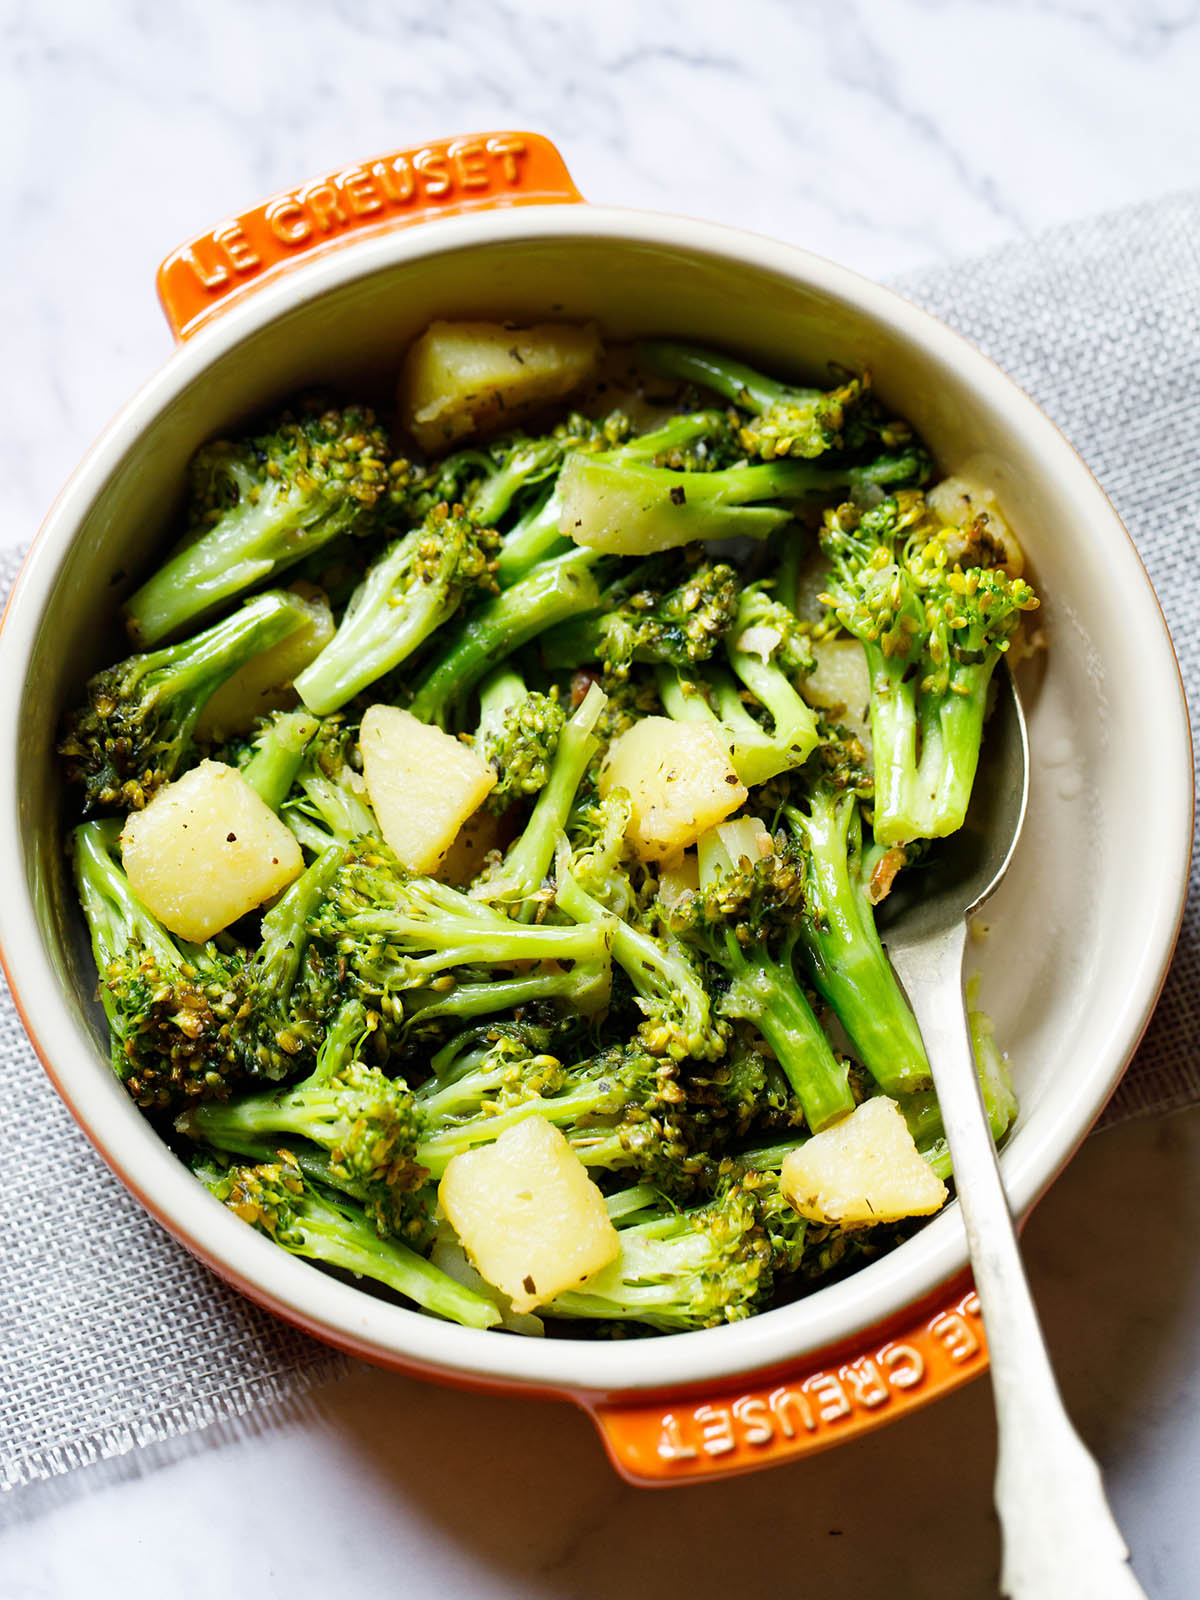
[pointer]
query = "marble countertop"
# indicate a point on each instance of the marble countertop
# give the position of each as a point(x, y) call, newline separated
point(884, 133)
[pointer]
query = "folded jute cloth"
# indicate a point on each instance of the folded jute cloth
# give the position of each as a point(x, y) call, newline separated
point(117, 1348)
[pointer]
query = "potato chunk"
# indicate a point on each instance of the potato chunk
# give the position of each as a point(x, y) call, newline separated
point(480, 833)
point(265, 682)
point(841, 683)
point(206, 850)
point(680, 782)
point(863, 1170)
point(423, 784)
point(528, 1215)
point(466, 377)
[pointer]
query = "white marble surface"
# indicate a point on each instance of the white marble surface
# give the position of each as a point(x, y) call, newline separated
point(884, 133)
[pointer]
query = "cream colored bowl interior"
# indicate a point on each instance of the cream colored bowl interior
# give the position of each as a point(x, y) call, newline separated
point(1079, 934)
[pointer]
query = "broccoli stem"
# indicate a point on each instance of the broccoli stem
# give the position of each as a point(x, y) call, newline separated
point(926, 748)
point(588, 1099)
point(550, 592)
point(389, 617)
point(731, 379)
point(526, 865)
point(339, 1234)
point(248, 544)
point(756, 754)
point(278, 756)
point(844, 954)
point(770, 997)
point(116, 918)
point(661, 973)
point(585, 987)
point(795, 725)
point(285, 926)
point(533, 539)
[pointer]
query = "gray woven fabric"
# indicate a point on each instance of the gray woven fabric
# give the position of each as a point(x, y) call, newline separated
point(115, 1345)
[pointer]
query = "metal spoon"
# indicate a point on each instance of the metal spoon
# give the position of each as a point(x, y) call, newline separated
point(1059, 1538)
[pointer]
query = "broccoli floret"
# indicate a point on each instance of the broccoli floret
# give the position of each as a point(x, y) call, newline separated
point(623, 1110)
point(533, 463)
point(327, 804)
point(170, 1008)
point(671, 608)
point(680, 1269)
point(410, 943)
point(277, 1198)
point(549, 592)
point(189, 1021)
point(517, 736)
point(765, 649)
point(135, 731)
point(785, 420)
point(409, 592)
point(363, 1120)
point(260, 504)
point(699, 486)
point(670, 989)
point(520, 875)
point(933, 630)
point(746, 919)
point(275, 754)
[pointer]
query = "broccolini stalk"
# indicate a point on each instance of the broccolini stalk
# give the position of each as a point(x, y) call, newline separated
point(934, 621)
point(363, 1121)
point(258, 506)
point(277, 754)
point(670, 991)
point(407, 594)
point(279, 1200)
point(523, 870)
point(841, 946)
point(747, 919)
point(549, 592)
point(135, 732)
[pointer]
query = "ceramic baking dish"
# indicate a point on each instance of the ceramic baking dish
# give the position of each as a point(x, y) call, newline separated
point(328, 283)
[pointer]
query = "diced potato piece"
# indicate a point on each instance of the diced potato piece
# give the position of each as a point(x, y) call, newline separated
point(863, 1170)
point(840, 683)
point(956, 501)
point(265, 682)
point(747, 836)
point(423, 784)
point(449, 1257)
point(679, 780)
point(480, 833)
point(677, 878)
point(206, 850)
point(528, 1215)
point(467, 377)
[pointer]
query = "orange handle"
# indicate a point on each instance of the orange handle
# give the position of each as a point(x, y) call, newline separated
point(795, 1411)
point(447, 178)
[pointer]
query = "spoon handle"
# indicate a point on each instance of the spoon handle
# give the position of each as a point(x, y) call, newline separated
point(1059, 1535)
